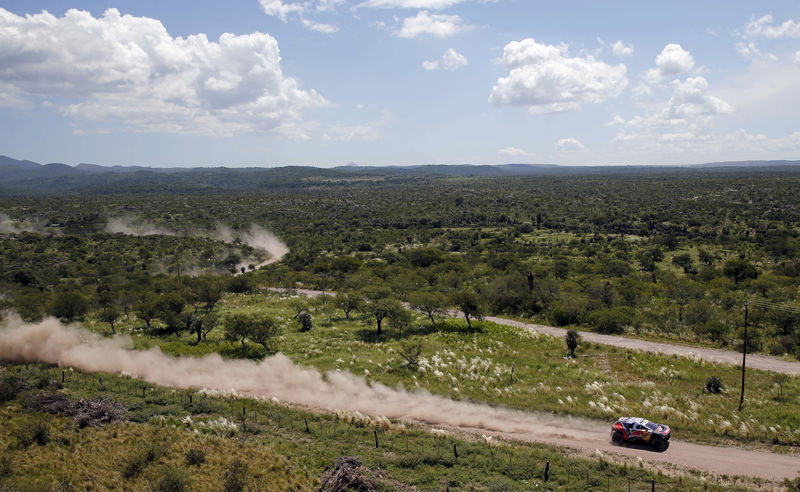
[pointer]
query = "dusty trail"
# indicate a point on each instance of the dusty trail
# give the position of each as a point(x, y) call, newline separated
point(278, 377)
point(754, 361)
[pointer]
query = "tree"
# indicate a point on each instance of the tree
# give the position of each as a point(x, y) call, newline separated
point(202, 324)
point(146, 309)
point(169, 309)
point(682, 292)
point(470, 304)
point(706, 258)
point(410, 351)
point(69, 305)
point(384, 308)
point(738, 269)
point(263, 330)
point(432, 304)
point(572, 339)
point(348, 302)
point(110, 314)
point(242, 326)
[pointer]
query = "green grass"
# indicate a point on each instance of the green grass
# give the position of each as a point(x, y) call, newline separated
point(503, 365)
point(283, 453)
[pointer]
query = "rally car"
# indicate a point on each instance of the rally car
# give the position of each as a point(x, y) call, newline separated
point(638, 430)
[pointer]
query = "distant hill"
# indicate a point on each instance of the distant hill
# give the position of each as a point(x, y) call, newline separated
point(23, 177)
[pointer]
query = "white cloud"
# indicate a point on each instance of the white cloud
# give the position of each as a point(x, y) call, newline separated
point(690, 99)
point(410, 4)
point(146, 79)
point(512, 152)
point(328, 5)
point(685, 122)
point(436, 25)
point(319, 27)
point(621, 49)
point(764, 27)
point(674, 60)
point(451, 60)
point(570, 144)
point(546, 79)
point(751, 50)
point(281, 10)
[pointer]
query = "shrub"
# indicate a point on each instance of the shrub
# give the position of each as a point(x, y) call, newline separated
point(139, 461)
point(38, 432)
point(10, 387)
point(5, 466)
point(410, 351)
point(714, 385)
point(235, 479)
point(172, 480)
point(195, 457)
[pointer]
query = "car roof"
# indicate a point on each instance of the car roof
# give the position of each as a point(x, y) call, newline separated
point(633, 420)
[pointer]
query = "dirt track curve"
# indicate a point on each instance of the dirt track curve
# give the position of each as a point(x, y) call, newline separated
point(711, 459)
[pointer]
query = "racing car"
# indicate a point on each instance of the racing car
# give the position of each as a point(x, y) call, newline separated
point(642, 431)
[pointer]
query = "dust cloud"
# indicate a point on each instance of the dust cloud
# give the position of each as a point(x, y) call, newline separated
point(255, 236)
point(277, 376)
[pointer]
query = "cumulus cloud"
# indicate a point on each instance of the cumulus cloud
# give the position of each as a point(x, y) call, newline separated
point(672, 61)
point(435, 25)
point(546, 79)
point(685, 122)
point(764, 27)
point(298, 10)
point(148, 80)
point(512, 152)
point(570, 144)
point(621, 49)
point(451, 60)
point(690, 99)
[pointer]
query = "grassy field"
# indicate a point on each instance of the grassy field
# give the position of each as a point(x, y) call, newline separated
point(283, 448)
point(502, 365)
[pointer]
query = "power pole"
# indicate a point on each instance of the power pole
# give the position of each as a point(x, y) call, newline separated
point(744, 355)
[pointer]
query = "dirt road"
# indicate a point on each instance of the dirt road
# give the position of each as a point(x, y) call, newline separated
point(754, 361)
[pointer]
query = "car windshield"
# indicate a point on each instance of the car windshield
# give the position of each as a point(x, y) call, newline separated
point(651, 426)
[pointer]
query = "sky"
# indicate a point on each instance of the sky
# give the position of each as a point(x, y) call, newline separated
point(398, 82)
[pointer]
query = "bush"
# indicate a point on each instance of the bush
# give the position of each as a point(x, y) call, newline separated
point(172, 480)
point(609, 321)
point(139, 461)
point(10, 387)
point(38, 433)
point(410, 351)
point(235, 477)
point(5, 466)
point(714, 385)
point(195, 457)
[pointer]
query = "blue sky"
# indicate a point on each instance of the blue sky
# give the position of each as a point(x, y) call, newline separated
point(398, 82)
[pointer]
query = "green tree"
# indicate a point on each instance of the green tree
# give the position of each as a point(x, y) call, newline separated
point(348, 302)
point(470, 304)
point(432, 304)
point(738, 269)
point(384, 308)
point(69, 305)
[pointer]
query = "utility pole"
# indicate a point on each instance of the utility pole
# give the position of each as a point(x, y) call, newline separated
point(744, 355)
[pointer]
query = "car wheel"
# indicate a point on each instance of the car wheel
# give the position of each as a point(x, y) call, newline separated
point(658, 444)
point(616, 437)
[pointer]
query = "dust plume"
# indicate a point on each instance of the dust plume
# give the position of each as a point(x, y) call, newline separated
point(7, 225)
point(255, 236)
point(131, 227)
point(277, 376)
